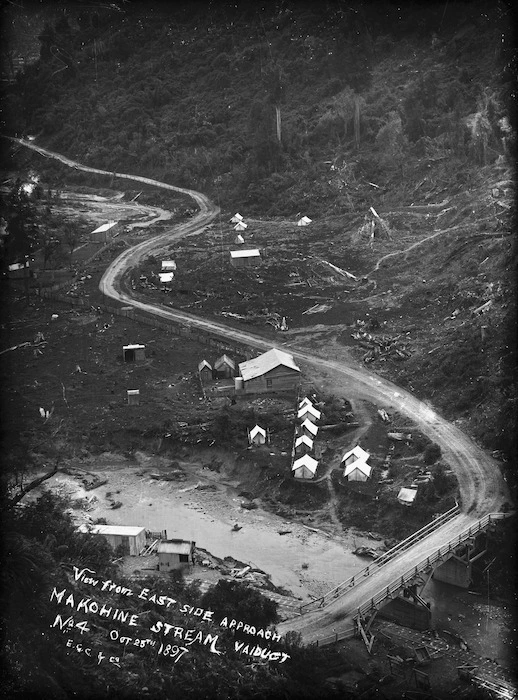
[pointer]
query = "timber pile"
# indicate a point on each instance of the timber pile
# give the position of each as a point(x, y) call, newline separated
point(381, 347)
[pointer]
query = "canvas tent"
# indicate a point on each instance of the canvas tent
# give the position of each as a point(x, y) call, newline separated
point(257, 436)
point(236, 218)
point(308, 412)
point(308, 428)
point(354, 454)
point(357, 471)
point(166, 277)
point(305, 467)
point(240, 226)
point(239, 240)
point(305, 402)
point(304, 221)
point(303, 444)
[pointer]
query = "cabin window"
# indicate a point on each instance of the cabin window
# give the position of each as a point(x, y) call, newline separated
point(269, 383)
point(184, 558)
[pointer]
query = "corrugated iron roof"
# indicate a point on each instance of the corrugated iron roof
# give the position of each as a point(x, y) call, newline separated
point(203, 364)
point(265, 363)
point(249, 253)
point(175, 547)
point(224, 359)
point(121, 530)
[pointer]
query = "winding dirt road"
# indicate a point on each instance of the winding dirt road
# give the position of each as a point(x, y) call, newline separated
point(482, 488)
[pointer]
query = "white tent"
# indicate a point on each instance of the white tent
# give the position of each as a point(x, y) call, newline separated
point(236, 218)
point(166, 277)
point(305, 221)
point(308, 428)
point(305, 467)
point(168, 265)
point(305, 402)
point(257, 436)
point(240, 226)
point(303, 444)
point(309, 412)
point(357, 471)
point(239, 239)
point(354, 454)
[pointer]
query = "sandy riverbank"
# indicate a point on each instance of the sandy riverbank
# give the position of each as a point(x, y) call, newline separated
point(204, 507)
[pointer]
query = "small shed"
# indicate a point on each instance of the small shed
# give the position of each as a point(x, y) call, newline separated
point(303, 445)
point(354, 454)
point(133, 539)
point(406, 496)
point(308, 428)
point(133, 397)
point(225, 367)
point(166, 277)
point(168, 266)
point(133, 353)
point(245, 258)
point(239, 240)
point(305, 467)
point(257, 436)
point(357, 471)
point(240, 226)
point(304, 221)
point(236, 218)
point(175, 554)
point(308, 412)
point(18, 270)
point(205, 371)
point(105, 232)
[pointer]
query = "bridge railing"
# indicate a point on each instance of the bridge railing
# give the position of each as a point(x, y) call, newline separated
point(380, 561)
point(425, 564)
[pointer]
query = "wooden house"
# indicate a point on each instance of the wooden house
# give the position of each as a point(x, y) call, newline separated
point(245, 258)
point(132, 539)
point(274, 370)
point(225, 367)
point(168, 266)
point(305, 467)
point(354, 454)
point(303, 445)
point(257, 436)
point(205, 371)
point(175, 554)
point(308, 412)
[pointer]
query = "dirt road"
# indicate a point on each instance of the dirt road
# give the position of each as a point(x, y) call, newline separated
point(482, 487)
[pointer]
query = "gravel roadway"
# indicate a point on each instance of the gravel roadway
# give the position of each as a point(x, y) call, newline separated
point(482, 487)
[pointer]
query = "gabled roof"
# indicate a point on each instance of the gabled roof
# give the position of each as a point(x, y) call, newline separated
point(168, 265)
point(249, 253)
point(311, 427)
point(305, 402)
point(237, 217)
point(238, 240)
point(166, 276)
point(203, 364)
point(304, 440)
point(309, 408)
point(358, 453)
point(305, 461)
point(225, 360)
point(265, 363)
point(304, 221)
point(257, 430)
point(360, 465)
point(133, 347)
point(240, 226)
point(122, 530)
point(105, 227)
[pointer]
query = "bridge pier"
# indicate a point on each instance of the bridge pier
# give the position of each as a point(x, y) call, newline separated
point(408, 609)
point(456, 569)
